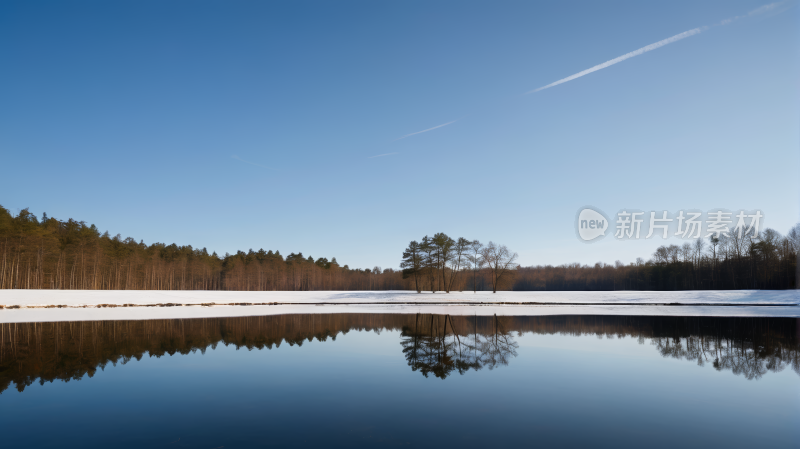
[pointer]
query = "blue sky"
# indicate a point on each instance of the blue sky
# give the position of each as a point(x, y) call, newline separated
point(237, 125)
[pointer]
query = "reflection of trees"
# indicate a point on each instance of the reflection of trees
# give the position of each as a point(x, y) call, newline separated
point(437, 344)
point(71, 350)
point(434, 345)
point(751, 358)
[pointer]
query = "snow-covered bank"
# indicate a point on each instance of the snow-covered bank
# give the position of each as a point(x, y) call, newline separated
point(153, 313)
point(80, 298)
point(73, 305)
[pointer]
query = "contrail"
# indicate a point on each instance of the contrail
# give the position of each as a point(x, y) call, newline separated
point(654, 46)
point(252, 163)
point(425, 130)
point(638, 52)
point(381, 155)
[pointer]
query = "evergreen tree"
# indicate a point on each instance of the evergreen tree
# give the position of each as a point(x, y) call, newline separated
point(412, 263)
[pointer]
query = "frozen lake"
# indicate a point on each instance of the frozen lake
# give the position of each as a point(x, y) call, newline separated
point(409, 380)
point(75, 305)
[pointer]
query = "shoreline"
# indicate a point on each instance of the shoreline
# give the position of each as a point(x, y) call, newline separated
point(18, 306)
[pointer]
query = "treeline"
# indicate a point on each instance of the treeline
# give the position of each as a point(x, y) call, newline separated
point(46, 253)
point(731, 262)
point(51, 254)
point(440, 345)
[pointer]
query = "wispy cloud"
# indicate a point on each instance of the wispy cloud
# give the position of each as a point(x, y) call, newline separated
point(381, 155)
point(251, 163)
point(654, 46)
point(425, 130)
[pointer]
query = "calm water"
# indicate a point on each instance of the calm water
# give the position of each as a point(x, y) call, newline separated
point(365, 380)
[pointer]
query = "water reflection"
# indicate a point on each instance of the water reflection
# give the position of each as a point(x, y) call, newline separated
point(438, 345)
point(428, 349)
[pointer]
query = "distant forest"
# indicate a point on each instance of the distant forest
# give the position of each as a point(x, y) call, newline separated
point(46, 253)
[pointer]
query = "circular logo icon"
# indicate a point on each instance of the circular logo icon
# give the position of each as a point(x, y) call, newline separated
point(591, 224)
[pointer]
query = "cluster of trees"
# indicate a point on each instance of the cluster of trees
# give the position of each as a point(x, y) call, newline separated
point(51, 254)
point(445, 264)
point(767, 261)
point(431, 344)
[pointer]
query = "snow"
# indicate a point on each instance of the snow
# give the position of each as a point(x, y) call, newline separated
point(76, 305)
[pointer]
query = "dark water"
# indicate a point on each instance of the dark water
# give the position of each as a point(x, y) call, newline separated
point(365, 380)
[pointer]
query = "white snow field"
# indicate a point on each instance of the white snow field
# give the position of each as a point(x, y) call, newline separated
point(78, 305)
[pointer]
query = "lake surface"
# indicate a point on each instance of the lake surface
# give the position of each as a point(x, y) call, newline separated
point(405, 380)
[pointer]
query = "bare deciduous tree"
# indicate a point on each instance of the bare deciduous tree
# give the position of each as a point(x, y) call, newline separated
point(500, 261)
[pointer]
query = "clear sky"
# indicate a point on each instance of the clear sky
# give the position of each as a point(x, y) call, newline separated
point(237, 125)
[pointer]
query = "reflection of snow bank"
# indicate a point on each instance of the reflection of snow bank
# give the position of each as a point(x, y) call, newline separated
point(92, 304)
